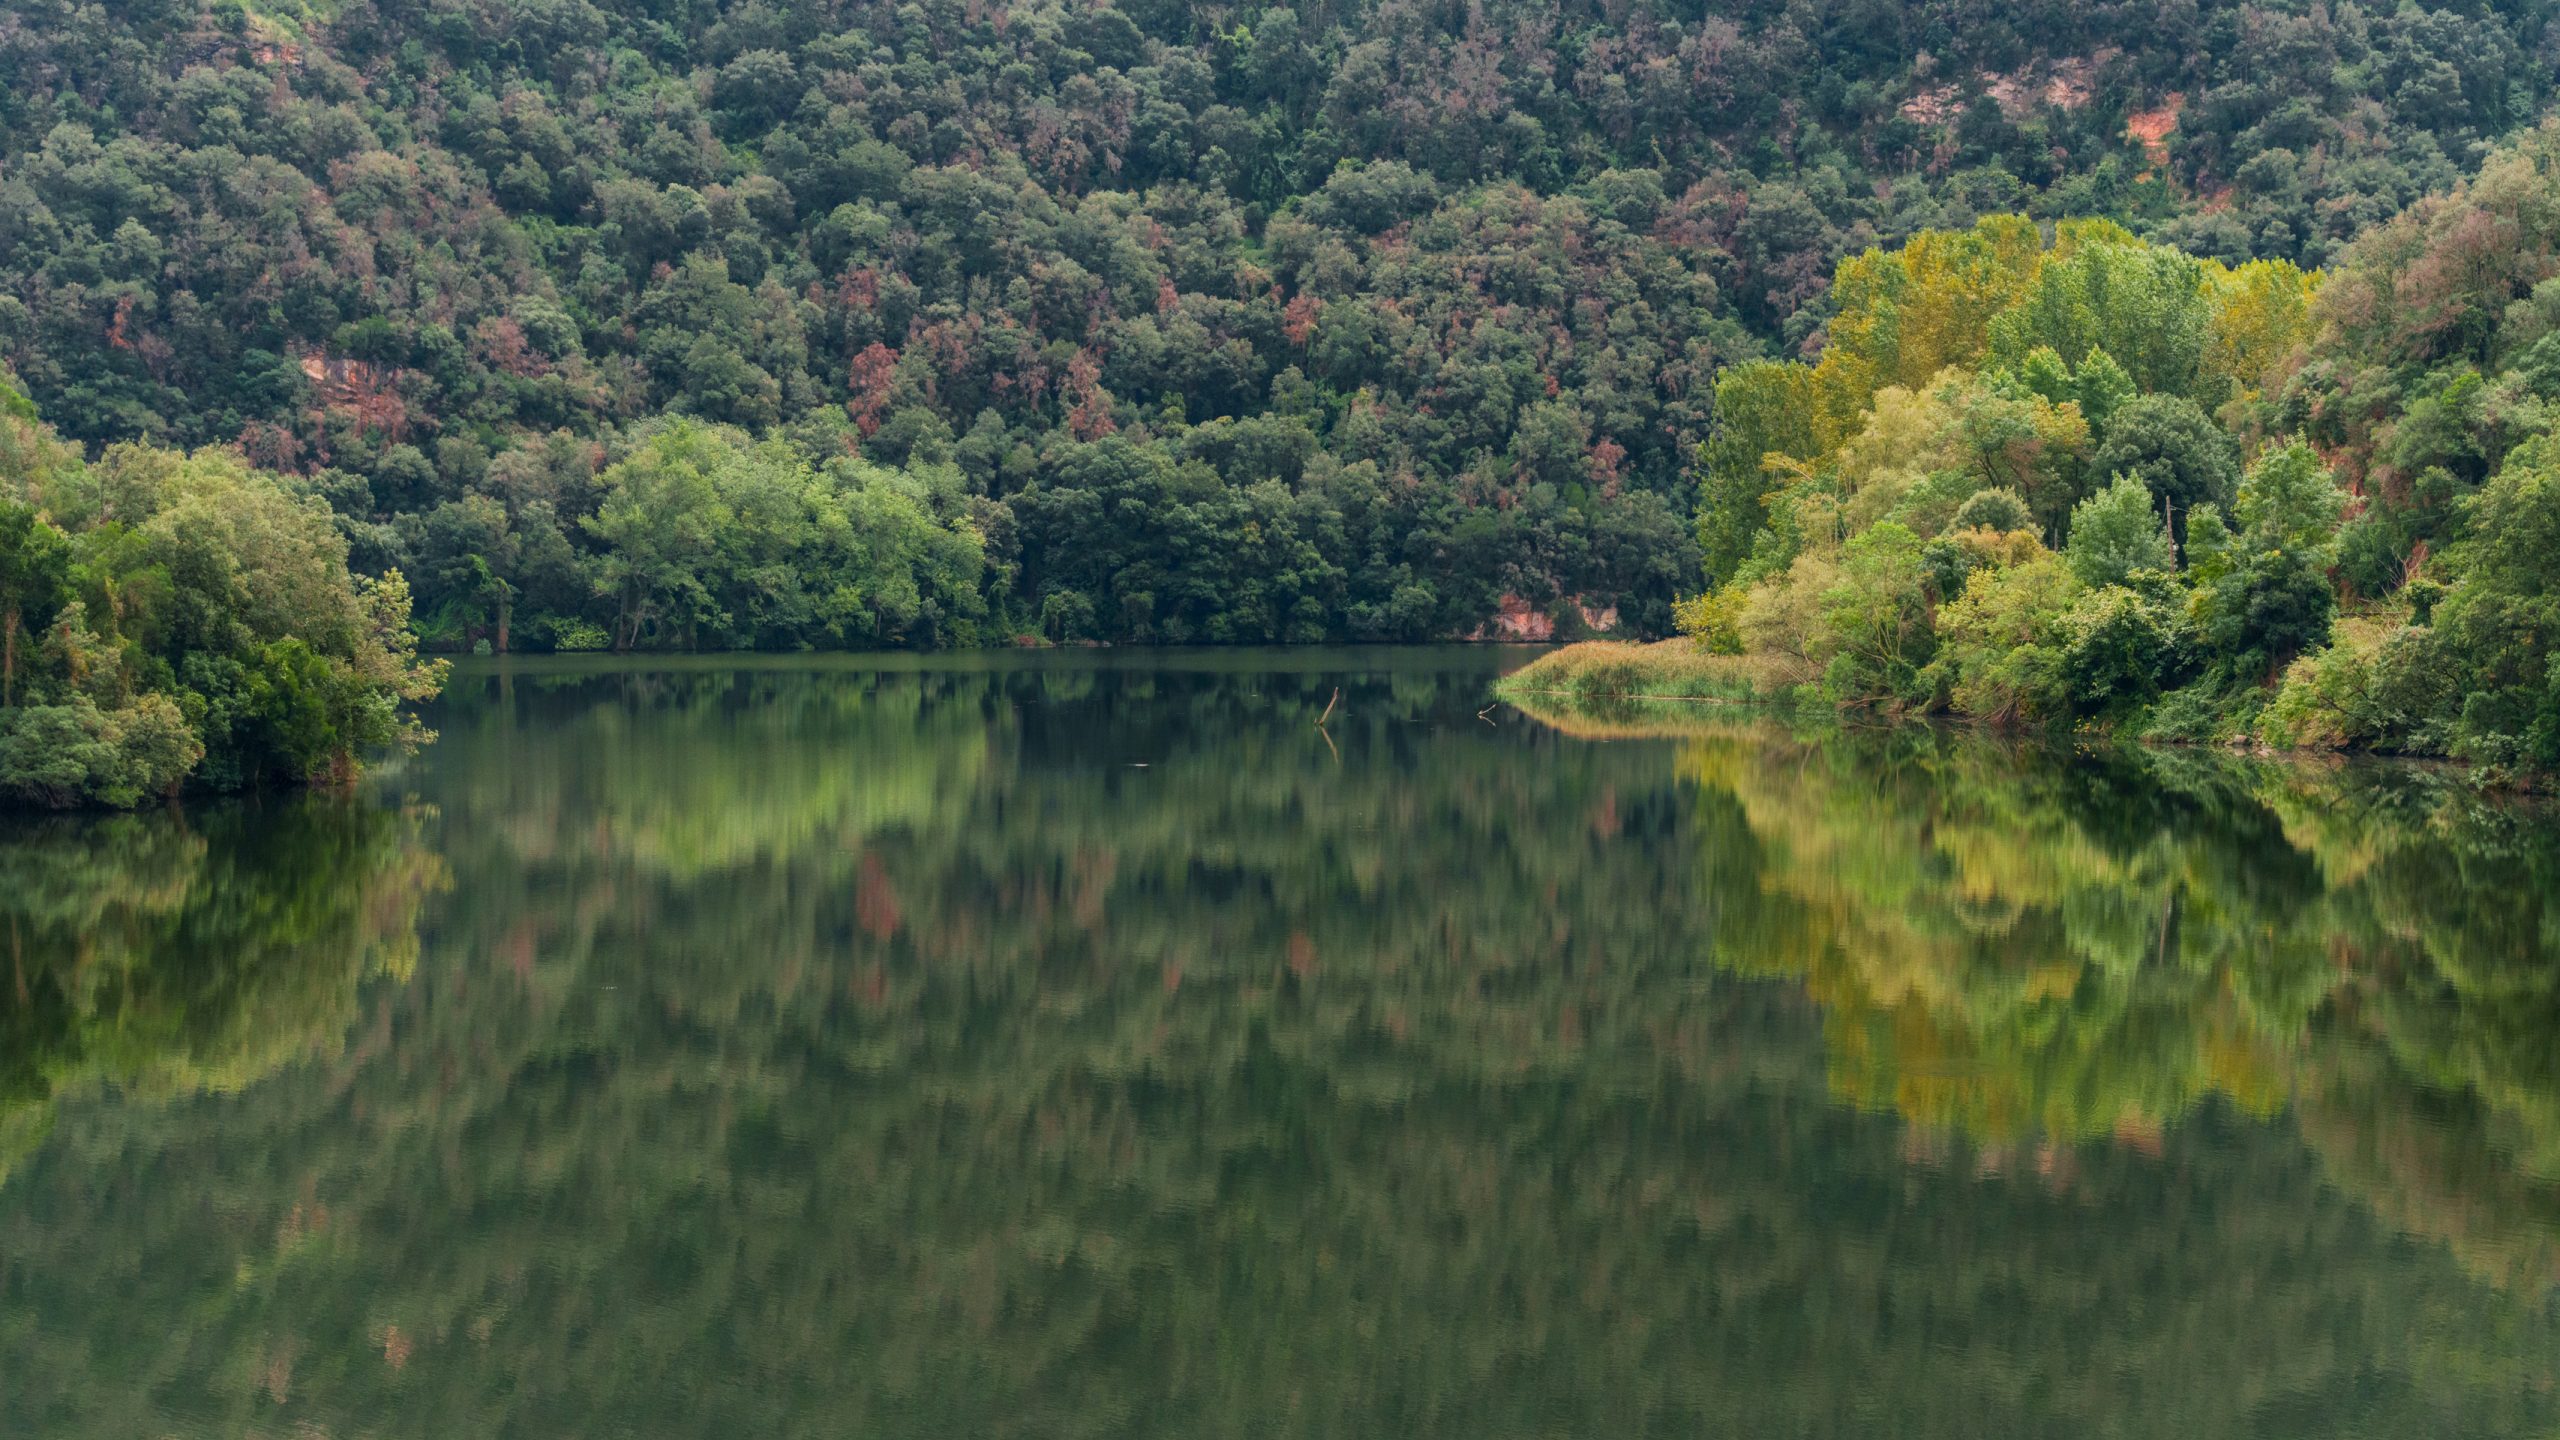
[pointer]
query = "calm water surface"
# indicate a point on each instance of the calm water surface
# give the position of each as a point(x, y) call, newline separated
point(1091, 1045)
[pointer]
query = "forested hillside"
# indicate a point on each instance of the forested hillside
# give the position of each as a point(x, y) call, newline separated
point(823, 323)
point(2080, 480)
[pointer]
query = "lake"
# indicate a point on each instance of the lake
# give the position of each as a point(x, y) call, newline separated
point(1093, 1045)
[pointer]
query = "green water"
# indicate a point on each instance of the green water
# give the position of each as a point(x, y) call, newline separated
point(1091, 1045)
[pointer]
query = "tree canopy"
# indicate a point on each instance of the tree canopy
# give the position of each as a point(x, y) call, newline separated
point(1373, 320)
point(174, 619)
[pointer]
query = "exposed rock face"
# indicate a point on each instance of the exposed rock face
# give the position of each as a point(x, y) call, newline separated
point(358, 387)
point(1517, 621)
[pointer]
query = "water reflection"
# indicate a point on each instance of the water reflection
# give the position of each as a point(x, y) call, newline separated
point(1082, 1047)
point(2090, 949)
point(165, 954)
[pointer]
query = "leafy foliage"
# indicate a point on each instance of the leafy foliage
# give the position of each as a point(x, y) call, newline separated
point(2117, 533)
point(1464, 288)
point(2104, 392)
point(169, 619)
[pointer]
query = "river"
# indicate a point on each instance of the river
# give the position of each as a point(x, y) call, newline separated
point(1095, 1044)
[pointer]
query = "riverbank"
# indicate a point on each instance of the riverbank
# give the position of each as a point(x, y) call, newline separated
point(1601, 687)
point(1614, 672)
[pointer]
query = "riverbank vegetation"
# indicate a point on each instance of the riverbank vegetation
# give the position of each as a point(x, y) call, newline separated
point(175, 620)
point(2085, 481)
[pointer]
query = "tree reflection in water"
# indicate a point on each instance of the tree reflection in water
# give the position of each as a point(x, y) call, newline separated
point(1085, 1047)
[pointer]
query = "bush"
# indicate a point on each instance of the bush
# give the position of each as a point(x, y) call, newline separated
point(1713, 620)
point(1875, 635)
point(2371, 558)
point(2116, 532)
point(2389, 691)
point(2209, 711)
point(1997, 509)
point(2118, 647)
point(576, 636)
point(2002, 643)
point(78, 754)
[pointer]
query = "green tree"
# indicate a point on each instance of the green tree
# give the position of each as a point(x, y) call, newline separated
point(2001, 655)
point(660, 527)
point(2120, 646)
point(2119, 531)
point(1876, 622)
point(2175, 450)
point(467, 550)
point(2501, 624)
point(201, 625)
point(2262, 592)
point(1998, 509)
point(35, 579)
point(1763, 408)
point(2102, 290)
point(2015, 439)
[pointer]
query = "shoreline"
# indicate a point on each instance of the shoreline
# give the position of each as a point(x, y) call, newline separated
point(1589, 674)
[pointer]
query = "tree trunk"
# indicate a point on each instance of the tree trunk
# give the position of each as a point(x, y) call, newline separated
point(506, 612)
point(9, 621)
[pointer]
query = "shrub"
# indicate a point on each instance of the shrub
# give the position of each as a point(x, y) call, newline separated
point(2118, 646)
point(78, 754)
point(2116, 532)
point(1875, 634)
point(1997, 509)
point(2001, 644)
point(2371, 558)
point(1713, 620)
point(2387, 691)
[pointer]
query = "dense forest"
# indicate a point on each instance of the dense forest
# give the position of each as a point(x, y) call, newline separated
point(817, 323)
point(1494, 1081)
point(2077, 479)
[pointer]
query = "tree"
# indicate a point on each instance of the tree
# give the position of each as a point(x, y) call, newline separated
point(1997, 509)
point(468, 550)
point(2117, 532)
point(2001, 657)
point(78, 754)
point(200, 625)
point(2501, 624)
point(1763, 408)
point(2262, 593)
point(35, 575)
point(659, 528)
point(1902, 316)
point(2103, 290)
point(2120, 645)
point(2175, 450)
point(1876, 635)
point(2261, 313)
point(2015, 439)
point(2102, 387)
